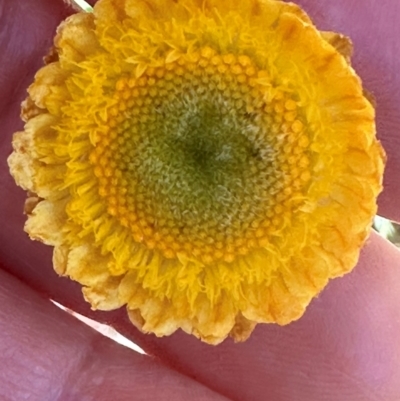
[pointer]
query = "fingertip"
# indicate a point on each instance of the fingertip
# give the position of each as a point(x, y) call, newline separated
point(27, 30)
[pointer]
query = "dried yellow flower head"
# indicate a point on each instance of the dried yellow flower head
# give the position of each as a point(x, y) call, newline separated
point(210, 164)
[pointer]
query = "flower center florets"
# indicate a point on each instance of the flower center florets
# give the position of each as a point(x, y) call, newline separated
point(203, 158)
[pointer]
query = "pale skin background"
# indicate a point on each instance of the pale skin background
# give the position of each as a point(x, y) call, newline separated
point(345, 348)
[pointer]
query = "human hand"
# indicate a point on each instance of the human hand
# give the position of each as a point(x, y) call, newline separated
point(344, 348)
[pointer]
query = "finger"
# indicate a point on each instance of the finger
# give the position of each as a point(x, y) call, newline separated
point(26, 32)
point(374, 29)
point(344, 348)
point(45, 354)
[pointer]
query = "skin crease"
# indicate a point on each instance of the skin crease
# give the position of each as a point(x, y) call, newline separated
point(344, 348)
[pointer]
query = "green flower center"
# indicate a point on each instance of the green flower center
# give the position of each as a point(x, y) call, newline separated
point(200, 158)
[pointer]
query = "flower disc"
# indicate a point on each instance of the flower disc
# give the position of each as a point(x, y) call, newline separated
point(210, 165)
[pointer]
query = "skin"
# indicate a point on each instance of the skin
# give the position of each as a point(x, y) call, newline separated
point(344, 348)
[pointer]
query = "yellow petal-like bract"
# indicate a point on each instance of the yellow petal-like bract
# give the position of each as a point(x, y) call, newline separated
point(210, 164)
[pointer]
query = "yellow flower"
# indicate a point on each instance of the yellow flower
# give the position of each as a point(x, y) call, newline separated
point(210, 164)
